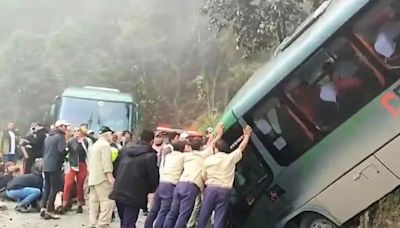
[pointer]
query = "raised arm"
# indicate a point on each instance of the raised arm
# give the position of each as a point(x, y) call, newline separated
point(246, 137)
point(213, 140)
point(22, 145)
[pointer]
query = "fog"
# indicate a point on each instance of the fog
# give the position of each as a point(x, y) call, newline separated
point(153, 49)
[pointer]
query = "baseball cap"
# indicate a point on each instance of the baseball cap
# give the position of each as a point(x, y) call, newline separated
point(61, 123)
point(184, 135)
point(105, 129)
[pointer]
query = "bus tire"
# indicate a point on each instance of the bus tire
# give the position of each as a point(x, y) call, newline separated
point(312, 220)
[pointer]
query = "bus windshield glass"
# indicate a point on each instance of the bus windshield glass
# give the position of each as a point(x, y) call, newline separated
point(95, 113)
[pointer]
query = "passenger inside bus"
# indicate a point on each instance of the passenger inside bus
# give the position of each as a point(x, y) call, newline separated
point(336, 85)
point(321, 95)
point(380, 32)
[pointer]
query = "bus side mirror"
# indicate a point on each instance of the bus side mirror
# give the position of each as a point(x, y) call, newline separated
point(54, 107)
point(53, 110)
point(137, 117)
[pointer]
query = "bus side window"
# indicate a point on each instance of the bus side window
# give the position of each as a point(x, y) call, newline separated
point(280, 130)
point(379, 31)
point(322, 94)
point(337, 86)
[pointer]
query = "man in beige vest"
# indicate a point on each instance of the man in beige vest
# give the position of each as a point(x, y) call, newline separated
point(101, 180)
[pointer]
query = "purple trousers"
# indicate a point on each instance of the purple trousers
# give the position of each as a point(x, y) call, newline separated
point(162, 200)
point(215, 199)
point(182, 205)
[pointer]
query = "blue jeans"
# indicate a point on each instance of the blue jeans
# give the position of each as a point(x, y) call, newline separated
point(9, 157)
point(24, 196)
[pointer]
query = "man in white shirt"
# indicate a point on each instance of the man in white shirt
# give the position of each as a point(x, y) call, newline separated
point(9, 143)
point(191, 183)
point(169, 177)
point(219, 173)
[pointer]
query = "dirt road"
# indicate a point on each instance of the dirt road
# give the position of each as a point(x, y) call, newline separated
point(11, 218)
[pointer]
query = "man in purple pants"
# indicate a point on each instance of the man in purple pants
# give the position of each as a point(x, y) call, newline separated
point(169, 177)
point(190, 183)
point(219, 172)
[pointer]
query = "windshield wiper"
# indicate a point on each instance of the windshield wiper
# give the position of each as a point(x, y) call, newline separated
point(90, 120)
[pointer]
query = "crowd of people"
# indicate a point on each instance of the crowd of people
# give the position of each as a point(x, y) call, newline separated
point(185, 179)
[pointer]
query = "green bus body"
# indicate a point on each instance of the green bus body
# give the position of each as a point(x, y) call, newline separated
point(346, 169)
point(97, 106)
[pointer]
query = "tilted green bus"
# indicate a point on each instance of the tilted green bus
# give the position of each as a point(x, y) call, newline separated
point(97, 106)
point(325, 111)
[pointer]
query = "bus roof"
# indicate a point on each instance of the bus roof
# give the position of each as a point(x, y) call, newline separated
point(266, 78)
point(94, 93)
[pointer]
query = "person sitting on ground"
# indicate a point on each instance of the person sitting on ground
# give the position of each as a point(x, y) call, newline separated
point(9, 173)
point(26, 190)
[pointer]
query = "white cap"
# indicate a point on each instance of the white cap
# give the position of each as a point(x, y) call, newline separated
point(184, 135)
point(61, 122)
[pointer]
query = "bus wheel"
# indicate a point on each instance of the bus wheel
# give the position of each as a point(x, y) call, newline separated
point(316, 221)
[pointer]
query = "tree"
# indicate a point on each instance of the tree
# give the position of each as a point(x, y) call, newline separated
point(257, 25)
point(131, 45)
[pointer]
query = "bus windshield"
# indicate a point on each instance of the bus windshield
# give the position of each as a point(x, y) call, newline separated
point(95, 113)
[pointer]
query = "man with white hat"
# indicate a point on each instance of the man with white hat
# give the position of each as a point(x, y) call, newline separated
point(101, 180)
point(53, 158)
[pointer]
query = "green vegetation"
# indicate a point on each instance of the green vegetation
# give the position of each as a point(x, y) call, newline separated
point(161, 51)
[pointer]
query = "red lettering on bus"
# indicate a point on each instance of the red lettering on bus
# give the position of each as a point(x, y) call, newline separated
point(385, 102)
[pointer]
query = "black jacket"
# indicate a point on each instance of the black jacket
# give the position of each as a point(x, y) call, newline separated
point(54, 151)
point(137, 175)
point(4, 180)
point(37, 143)
point(33, 180)
point(72, 149)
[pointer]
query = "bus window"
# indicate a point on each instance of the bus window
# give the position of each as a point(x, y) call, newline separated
point(335, 88)
point(280, 130)
point(324, 92)
point(379, 31)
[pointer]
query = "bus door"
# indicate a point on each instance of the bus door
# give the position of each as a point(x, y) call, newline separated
point(252, 177)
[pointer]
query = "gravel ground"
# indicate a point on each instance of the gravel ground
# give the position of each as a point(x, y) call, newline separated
point(11, 218)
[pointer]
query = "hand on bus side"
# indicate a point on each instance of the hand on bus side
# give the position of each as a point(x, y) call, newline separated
point(220, 129)
point(247, 131)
